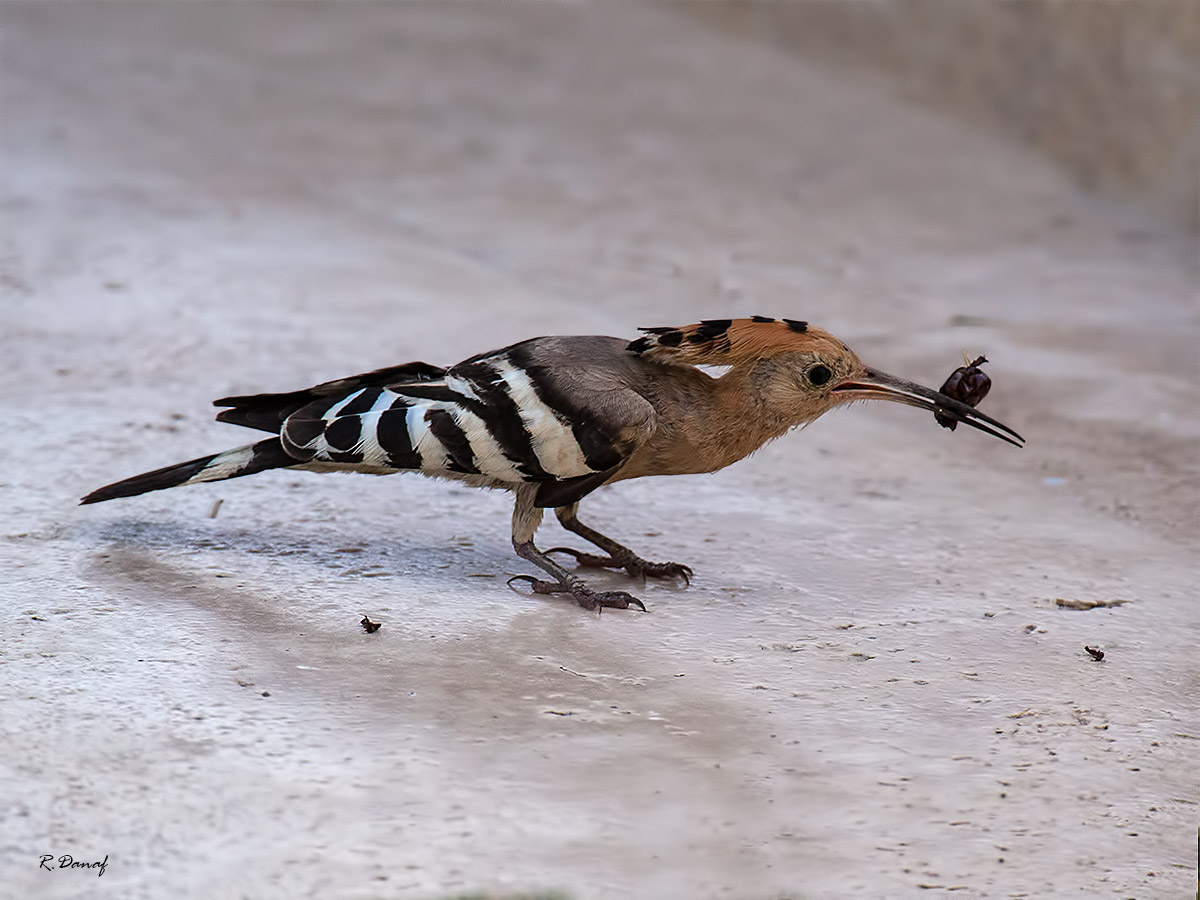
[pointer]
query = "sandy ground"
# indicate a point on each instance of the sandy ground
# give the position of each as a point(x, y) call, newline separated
point(868, 690)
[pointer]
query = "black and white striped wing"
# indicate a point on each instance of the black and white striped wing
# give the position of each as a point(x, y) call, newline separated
point(499, 418)
point(268, 412)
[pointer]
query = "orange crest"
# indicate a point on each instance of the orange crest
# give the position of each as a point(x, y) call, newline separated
point(728, 342)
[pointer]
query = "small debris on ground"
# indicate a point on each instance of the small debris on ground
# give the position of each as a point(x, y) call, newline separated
point(216, 508)
point(370, 627)
point(1096, 653)
point(786, 648)
point(1086, 604)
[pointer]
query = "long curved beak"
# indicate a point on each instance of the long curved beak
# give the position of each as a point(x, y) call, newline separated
point(880, 386)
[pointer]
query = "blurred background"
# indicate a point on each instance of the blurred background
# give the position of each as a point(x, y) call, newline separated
point(1107, 90)
point(870, 688)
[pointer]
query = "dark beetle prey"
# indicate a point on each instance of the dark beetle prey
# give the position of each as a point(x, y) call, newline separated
point(968, 384)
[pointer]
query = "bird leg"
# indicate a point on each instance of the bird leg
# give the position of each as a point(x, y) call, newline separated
point(526, 518)
point(619, 556)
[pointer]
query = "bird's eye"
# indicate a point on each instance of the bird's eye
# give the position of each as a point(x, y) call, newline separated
point(818, 375)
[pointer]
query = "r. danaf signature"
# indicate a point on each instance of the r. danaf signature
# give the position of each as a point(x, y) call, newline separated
point(67, 861)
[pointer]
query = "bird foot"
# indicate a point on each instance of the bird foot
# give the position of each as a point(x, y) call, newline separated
point(584, 596)
point(633, 564)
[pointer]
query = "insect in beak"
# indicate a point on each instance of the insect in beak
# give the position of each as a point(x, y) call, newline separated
point(875, 385)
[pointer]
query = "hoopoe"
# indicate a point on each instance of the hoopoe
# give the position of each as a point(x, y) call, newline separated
point(553, 418)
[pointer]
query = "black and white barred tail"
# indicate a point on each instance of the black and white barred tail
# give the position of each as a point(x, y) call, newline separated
point(247, 460)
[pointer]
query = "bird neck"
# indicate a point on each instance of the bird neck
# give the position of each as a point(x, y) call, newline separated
point(706, 424)
point(742, 417)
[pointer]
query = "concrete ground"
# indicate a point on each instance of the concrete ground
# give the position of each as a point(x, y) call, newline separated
point(869, 688)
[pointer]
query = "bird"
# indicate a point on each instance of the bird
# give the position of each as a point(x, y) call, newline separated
point(551, 419)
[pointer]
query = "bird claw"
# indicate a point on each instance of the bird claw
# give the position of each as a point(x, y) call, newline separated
point(633, 564)
point(540, 587)
point(666, 570)
point(598, 600)
point(588, 599)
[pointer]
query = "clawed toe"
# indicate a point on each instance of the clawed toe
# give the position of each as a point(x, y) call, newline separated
point(599, 600)
point(668, 570)
point(588, 599)
point(634, 565)
point(540, 587)
point(589, 560)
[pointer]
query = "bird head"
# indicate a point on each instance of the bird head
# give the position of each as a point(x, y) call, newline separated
point(800, 372)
